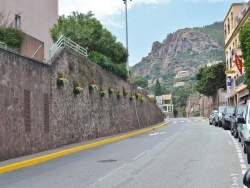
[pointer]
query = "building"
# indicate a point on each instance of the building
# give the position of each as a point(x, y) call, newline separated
point(182, 74)
point(35, 18)
point(178, 84)
point(237, 15)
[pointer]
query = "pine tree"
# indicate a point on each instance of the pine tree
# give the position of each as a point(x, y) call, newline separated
point(158, 88)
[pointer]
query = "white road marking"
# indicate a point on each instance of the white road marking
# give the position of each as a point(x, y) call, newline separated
point(175, 122)
point(182, 121)
point(153, 134)
point(242, 161)
point(140, 155)
point(112, 172)
point(230, 143)
point(244, 171)
point(243, 166)
point(239, 151)
point(162, 132)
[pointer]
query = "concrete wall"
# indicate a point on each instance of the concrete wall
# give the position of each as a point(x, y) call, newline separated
point(71, 118)
point(32, 46)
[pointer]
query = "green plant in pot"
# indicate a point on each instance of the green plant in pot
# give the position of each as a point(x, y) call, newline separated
point(132, 97)
point(118, 94)
point(111, 90)
point(77, 88)
point(93, 85)
point(102, 92)
point(137, 94)
point(141, 98)
point(61, 80)
point(124, 91)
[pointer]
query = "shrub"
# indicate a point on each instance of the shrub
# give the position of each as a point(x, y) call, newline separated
point(105, 62)
point(77, 88)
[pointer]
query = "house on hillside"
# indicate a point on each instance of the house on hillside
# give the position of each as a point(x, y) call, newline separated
point(237, 15)
point(35, 18)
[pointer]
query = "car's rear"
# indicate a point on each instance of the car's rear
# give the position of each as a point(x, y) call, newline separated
point(226, 119)
point(218, 119)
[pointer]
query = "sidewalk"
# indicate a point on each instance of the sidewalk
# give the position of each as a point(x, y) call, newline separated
point(29, 160)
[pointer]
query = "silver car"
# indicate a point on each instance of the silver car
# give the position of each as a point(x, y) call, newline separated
point(218, 116)
point(211, 117)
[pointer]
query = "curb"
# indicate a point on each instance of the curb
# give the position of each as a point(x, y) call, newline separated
point(44, 158)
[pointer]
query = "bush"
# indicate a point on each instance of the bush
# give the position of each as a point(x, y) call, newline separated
point(105, 62)
point(197, 114)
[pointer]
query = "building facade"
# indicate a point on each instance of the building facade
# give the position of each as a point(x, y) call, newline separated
point(237, 15)
point(35, 18)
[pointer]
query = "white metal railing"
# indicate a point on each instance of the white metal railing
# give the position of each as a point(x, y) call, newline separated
point(64, 41)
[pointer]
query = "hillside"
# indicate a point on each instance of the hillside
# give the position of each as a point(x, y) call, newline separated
point(184, 50)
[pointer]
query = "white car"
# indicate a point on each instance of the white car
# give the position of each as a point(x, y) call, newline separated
point(244, 130)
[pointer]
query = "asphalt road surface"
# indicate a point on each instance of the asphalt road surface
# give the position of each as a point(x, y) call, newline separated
point(187, 153)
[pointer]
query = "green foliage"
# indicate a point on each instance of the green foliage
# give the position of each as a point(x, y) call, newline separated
point(61, 80)
point(77, 87)
point(9, 34)
point(102, 92)
point(196, 114)
point(244, 37)
point(215, 30)
point(111, 90)
point(175, 112)
point(140, 81)
point(87, 31)
point(210, 79)
point(131, 97)
point(158, 88)
point(105, 62)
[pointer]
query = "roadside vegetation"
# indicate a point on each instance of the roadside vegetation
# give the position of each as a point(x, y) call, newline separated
point(9, 34)
point(88, 32)
point(244, 37)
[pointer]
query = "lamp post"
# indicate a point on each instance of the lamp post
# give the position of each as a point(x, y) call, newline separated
point(125, 2)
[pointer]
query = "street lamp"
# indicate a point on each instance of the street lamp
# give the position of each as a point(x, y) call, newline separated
point(125, 2)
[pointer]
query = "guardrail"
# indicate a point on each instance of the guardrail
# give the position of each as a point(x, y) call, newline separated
point(64, 41)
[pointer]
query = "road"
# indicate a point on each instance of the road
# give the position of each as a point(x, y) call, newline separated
point(187, 153)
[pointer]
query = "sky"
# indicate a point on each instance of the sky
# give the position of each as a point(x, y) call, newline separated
point(149, 20)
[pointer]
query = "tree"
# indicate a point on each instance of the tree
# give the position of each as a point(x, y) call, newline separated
point(158, 88)
point(140, 81)
point(87, 31)
point(210, 79)
point(244, 37)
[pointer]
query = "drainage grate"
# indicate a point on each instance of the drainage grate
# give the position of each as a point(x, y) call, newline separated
point(107, 161)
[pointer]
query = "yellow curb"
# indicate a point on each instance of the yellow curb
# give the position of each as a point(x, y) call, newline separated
point(44, 158)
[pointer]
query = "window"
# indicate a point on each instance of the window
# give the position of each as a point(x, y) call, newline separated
point(17, 22)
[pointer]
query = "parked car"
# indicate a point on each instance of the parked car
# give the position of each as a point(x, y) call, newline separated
point(211, 117)
point(238, 111)
point(218, 117)
point(226, 117)
point(244, 130)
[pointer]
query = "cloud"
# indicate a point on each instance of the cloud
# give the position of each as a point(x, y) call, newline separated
point(101, 8)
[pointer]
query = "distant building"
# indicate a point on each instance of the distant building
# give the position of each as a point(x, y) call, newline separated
point(35, 18)
point(213, 63)
point(177, 84)
point(182, 74)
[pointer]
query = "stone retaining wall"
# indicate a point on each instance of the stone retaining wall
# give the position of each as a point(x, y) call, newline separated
point(37, 115)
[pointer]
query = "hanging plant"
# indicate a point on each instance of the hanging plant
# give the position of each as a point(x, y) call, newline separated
point(137, 94)
point(93, 85)
point(118, 94)
point(77, 88)
point(142, 98)
point(132, 97)
point(124, 91)
point(102, 92)
point(111, 90)
point(61, 80)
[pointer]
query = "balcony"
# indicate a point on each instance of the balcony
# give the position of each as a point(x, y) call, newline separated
point(240, 80)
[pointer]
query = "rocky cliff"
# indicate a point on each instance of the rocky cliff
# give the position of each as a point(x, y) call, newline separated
point(185, 49)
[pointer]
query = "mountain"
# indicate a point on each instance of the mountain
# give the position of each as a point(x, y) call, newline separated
point(184, 50)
